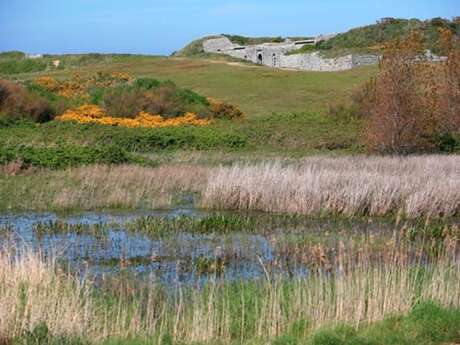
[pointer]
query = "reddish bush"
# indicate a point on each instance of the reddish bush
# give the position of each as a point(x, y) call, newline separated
point(130, 102)
point(449, 89)
point(411, 102)
point(16, 103)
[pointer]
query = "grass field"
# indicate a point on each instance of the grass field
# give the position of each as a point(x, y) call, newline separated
point(286, 111)
point(257, 90)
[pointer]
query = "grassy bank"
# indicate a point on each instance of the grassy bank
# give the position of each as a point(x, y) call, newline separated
point(425, 324)
point(96, 187)
point(417, 186)
point(278, 134)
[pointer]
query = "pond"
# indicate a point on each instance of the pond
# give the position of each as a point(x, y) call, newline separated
point(192, 247)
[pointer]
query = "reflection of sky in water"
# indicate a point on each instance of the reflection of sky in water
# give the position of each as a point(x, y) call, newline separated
point(175, 258)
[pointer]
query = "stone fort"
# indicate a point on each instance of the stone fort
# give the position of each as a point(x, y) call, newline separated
point(276, 55)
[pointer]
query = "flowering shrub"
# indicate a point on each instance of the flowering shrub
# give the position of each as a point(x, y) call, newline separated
point(119, 100)
point(224, 110)
point(78, 86)
point(95, 114)
point(48, 83)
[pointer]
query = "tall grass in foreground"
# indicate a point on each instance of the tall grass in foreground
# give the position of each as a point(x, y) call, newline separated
point(361, 289)
point(415, 186)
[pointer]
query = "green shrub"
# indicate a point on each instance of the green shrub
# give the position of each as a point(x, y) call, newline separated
point(41, 335)
point(12, 55)
point(149, 140)
point(340, 335)
point(146, 83)
point(432, 322)
point(446, 142)
point(22, 66)
point(96, 95)
point(191, 97)
point(62, 157)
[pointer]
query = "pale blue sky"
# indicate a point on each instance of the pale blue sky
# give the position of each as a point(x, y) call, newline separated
point(160, 27)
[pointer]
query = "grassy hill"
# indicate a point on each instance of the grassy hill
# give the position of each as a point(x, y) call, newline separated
point(364, 39)
point(371, 37)
point(389, 29)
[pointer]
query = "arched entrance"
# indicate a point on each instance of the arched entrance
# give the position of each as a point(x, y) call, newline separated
point(260, 58)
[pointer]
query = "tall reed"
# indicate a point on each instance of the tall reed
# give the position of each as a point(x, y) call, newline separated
point(416, 186)
point(100, 186)
point(359, 288)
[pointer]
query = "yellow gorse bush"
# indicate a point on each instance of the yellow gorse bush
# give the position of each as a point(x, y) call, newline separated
point(47, 82)
point(78, 86)
point(94, 114)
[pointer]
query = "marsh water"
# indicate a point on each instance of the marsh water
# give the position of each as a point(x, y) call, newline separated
point(101, 244)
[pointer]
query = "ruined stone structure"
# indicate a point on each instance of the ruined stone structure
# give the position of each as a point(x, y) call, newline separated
point(275, 55)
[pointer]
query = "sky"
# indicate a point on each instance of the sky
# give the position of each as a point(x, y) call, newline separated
point(161, 27)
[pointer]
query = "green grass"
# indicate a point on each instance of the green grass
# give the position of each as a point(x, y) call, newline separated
point(286, 111)
point(57, 133)
point(65, 156)
point(426, 324)
point(259, 91)
point(391, 29)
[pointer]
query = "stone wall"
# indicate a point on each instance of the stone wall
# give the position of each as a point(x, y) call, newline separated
point(315, 62)
point(217, 45)
point(275, 55)
point(365, 60)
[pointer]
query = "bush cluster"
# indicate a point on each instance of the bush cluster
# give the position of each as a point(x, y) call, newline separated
point(171, 138)
point(63, 156)
point(121, 96)
point(151, 96)
point(14, 66)
point(16, 102)
point(413, 105)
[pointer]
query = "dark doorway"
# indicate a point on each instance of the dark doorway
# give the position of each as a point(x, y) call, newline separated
point(260, 58)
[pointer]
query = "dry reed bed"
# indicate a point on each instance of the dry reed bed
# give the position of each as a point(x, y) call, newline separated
point(416, 186)
point(33, 290)
point(128, 186)
point(102, 186)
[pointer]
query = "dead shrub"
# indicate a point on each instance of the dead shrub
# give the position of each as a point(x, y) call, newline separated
point(12, 168)
point(411, 102)
point(17, 103)
point(449, 89)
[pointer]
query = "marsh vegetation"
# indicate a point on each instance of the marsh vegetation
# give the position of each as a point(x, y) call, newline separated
point(222, 278)
point(126, 219)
